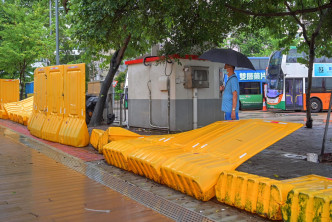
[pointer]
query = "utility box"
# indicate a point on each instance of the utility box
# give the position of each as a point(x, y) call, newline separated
point(196, 77)
point(178, 96)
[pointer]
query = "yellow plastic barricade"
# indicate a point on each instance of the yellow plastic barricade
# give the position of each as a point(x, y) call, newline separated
point(96, 134)
point(306, 198)
point(73, 130)
point(253, 193)
point(191, 162)
point(20, 111)
point(38, 117)
point(9, 92)
point(310, 199)
point(118, 133)
point(55, 104)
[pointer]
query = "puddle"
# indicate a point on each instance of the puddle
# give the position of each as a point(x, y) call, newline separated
point(294, 156)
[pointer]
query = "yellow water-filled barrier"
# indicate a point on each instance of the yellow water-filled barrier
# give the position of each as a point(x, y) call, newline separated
point(19, 111)
point(98, 139)
point(96, 134)
point(309, 200)
point(54, 104)
point(9, 92)
point(255, 194)
point(306, 198)
point(38, 117)
point(118, 133)
point(191, 162)
point(73, 130)
point(59, 105)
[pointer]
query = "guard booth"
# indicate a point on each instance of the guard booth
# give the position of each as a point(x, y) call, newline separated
point(176, 95)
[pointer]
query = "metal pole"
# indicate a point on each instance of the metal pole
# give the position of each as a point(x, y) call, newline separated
point(121, 110)
point(57, 31)
point(326, 126)
point(50, 3)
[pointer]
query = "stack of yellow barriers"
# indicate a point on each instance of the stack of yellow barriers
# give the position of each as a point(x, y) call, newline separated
point(19, 111)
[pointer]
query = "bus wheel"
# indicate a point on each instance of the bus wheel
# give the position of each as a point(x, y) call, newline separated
point(240, 108)
point(316, 105)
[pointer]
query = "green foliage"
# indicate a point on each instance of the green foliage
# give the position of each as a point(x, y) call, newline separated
point(24, 38)
point(183, 27)
point(252, 42)
point(284, 30)
point(121, 78)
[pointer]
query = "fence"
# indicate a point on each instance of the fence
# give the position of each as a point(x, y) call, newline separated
point(116, 109)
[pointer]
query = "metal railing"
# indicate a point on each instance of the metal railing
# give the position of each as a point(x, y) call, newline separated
point(116, 108)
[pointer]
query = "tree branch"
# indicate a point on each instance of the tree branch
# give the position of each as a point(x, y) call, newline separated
point(300, 23)
point(276, 14)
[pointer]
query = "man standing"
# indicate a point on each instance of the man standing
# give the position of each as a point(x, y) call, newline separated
point(230, 98)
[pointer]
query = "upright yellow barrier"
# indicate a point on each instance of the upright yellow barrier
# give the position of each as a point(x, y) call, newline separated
point(73, 130)
point(9, 92)
point(55, 104)
point(38, 117)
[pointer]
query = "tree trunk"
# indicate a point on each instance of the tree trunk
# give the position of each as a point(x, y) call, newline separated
point(114, 65)
point(308, 93)
point(22, 82)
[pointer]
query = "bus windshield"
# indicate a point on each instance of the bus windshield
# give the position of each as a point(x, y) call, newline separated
point(275, 75)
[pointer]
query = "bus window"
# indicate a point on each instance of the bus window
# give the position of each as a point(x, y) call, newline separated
point(317, 86)
point(328, 84)
point(250, 88)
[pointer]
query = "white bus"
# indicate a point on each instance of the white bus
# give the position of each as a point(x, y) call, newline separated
point(287, 82)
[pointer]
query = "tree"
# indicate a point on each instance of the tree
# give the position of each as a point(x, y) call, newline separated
point(134, 26)
point(24, 38)
point(252, 42)
point(310, 19)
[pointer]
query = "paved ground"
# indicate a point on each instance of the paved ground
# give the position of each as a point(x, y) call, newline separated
point(34, 187)
point(284, 159)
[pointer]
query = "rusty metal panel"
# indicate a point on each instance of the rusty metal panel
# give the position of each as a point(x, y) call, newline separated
point(310, 200)
point(54, 118)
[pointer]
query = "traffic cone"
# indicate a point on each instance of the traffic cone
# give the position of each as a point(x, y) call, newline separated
point(264, 105)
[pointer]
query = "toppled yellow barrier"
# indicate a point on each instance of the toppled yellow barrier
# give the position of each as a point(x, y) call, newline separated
point(191, 162)
point(19, 111)
point(118, 133)
point(252, 193)
point(95, 138)
point(306, 198)
point(309, 200)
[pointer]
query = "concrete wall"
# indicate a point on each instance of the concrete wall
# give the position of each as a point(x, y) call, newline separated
point(141, 77)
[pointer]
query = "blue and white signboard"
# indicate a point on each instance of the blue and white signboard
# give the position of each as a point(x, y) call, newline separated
point(322, 70)
point(250, 75)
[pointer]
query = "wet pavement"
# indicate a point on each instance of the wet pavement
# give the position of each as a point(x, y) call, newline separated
point(34, 187)
point(284, 159)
